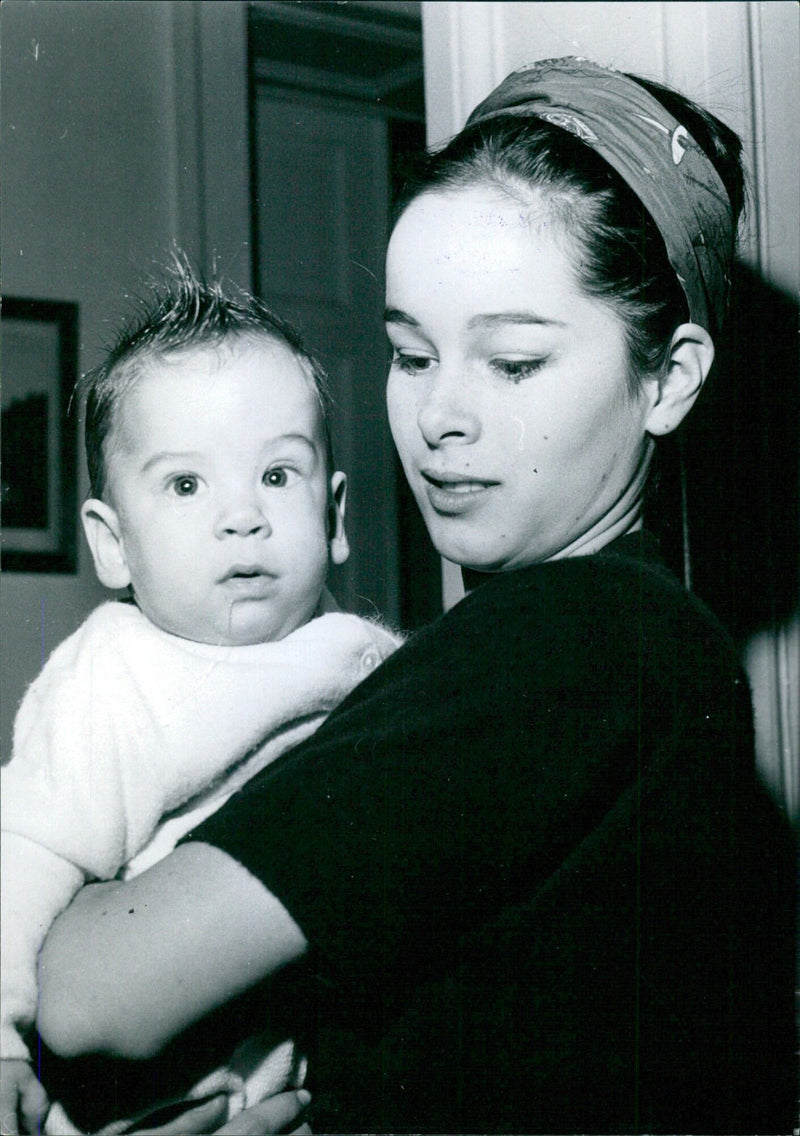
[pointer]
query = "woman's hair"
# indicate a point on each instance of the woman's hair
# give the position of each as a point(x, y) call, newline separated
point(183, 312)
point(618, 253)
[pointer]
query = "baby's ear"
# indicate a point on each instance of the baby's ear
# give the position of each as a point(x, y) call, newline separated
point(337, 538)
point(674, 394)
point(103, 532)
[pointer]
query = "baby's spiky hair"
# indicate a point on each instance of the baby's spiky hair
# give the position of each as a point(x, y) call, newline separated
point(183, 310)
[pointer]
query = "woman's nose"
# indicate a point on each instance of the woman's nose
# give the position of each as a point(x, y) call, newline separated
point(243, 515)
point(448, 411)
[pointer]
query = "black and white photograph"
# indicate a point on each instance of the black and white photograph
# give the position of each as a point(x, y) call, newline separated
point(400, 596)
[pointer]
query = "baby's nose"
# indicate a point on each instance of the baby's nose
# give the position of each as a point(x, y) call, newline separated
point(243, 518)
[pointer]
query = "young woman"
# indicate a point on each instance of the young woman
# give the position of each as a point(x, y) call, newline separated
point(526, 872)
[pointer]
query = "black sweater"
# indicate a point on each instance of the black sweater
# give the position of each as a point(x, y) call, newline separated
point(543, 887)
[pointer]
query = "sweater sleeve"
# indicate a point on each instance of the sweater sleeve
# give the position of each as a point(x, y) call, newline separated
point(35, 886)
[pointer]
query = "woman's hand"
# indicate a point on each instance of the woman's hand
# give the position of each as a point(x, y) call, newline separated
point(280, 1113)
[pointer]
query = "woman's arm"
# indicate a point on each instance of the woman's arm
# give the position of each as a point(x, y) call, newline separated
point(130, 965)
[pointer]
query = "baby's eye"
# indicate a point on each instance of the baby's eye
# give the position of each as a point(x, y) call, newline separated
point(410, 363)
point(517, 369)
point(277, 477)
point(185, 485)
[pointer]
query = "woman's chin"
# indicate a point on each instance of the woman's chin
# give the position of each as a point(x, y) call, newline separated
point(472, 557)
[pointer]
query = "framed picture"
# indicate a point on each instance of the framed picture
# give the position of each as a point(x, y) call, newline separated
point(39, 467)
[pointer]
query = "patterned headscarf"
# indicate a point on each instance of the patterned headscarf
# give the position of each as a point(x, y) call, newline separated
point(651, 151)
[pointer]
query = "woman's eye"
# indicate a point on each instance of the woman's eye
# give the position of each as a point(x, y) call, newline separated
point(517, 369)
point(411, 364)
point(276, 478)
point(185, 485)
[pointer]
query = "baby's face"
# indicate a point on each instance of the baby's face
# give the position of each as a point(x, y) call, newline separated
point(218, 480)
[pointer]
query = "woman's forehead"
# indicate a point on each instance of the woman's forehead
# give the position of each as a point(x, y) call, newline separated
point(475, 210)
point(478, 245)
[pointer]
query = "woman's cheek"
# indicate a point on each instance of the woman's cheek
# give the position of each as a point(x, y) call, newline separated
point(402, 416)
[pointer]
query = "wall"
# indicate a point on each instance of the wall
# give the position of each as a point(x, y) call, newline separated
point(113, 119)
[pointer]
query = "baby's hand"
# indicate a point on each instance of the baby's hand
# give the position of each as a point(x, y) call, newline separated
point(23, 1101)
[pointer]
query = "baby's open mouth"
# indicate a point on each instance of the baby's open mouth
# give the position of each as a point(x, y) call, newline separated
point(244, 573)
point(249, 583)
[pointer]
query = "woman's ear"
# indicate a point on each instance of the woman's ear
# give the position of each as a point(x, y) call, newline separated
point(337, 538)
point(690, 358)
point(103, 532)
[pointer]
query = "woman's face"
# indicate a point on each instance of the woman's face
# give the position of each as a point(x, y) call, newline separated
point(508, 396)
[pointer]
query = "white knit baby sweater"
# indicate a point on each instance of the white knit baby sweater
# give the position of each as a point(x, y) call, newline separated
point(126, 725)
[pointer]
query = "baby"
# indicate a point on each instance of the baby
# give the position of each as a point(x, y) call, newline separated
point(215, 503)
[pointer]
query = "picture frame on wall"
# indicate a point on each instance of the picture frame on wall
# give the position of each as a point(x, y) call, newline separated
point(39, 435)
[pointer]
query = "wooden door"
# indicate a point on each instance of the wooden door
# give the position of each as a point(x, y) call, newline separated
point(321, 206)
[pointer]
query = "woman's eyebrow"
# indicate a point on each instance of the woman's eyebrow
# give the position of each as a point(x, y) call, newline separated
point(487, 320)
point(498, 319)
point(394, 315)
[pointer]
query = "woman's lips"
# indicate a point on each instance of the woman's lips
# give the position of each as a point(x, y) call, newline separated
point(453, 493)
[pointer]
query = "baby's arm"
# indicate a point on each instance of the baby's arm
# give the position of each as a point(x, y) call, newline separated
point(45, 824)
point(35, 885)
point(41, 868)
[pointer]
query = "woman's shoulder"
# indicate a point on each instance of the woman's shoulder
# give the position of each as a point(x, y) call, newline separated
point(599, 585)
point(621, 603)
